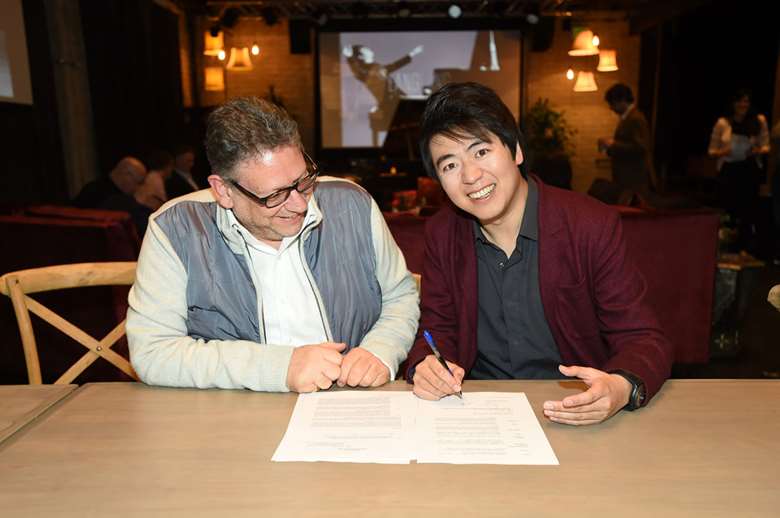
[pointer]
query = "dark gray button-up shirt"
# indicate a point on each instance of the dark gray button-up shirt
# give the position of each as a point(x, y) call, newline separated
point(514, 340)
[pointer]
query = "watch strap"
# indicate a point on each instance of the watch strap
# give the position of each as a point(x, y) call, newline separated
point(638, 392)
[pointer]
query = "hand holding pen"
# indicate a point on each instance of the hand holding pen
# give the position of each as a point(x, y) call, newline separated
point(435, 378)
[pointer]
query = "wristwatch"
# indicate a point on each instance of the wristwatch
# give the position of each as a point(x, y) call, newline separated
point(638, 391)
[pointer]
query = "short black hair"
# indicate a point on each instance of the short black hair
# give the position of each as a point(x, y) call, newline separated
point(619, 92)
point(463, 110)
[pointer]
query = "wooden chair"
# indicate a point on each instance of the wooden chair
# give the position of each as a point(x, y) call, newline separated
point(17, 285)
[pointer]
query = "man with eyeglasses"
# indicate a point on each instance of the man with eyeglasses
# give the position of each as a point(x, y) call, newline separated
point(275, 279)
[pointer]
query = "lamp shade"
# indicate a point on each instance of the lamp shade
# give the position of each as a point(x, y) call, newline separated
point(239, 60)
point(215, 79)
point(607, 61)
point(585, 82)
point(213, 44)
point(583, 44)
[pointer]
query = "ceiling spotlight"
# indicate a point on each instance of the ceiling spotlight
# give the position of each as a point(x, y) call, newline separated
point(321, 17)
point(404, 11)
point(532, 14)
point(360, 10)
point(270, 16)
point(255, 49)
point(230, 17)
point(570, 74)
point(454, 10)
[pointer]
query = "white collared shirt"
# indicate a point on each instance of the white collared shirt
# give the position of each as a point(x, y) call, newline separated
point(290, 313)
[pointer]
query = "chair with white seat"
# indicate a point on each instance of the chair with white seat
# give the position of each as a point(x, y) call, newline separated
point(19, 284)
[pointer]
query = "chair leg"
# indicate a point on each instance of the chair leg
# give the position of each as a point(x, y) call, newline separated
point(26, 331)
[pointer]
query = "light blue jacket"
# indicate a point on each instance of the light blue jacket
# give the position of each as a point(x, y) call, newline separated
point(195, 317)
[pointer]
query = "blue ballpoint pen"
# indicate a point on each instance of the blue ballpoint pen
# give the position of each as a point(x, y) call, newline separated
point(429, 339)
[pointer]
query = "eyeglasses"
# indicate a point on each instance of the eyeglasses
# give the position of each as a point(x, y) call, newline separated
point(303, 185)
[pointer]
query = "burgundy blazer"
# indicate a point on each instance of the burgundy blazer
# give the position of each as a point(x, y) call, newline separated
point(593, 295)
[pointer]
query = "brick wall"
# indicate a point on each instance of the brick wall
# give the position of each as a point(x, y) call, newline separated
point(292, 76)
point(587, 112)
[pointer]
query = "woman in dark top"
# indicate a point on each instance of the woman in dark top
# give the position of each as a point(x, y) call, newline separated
point(739, 141)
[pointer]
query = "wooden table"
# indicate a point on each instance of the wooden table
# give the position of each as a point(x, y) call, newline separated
point(701, 448)
point(21, 404)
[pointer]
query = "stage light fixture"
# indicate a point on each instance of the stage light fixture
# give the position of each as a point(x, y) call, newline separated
point(230, 17)
point(321, 17)
point(532, 14)
point(270, 16)
point(454, 11)
point(360, 10)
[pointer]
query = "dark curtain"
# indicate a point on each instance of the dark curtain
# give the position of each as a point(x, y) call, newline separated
point(132, 53)
point(706, 56)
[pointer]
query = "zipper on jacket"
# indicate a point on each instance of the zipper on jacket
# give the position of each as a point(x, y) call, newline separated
point(260, 312)
point(317, 296)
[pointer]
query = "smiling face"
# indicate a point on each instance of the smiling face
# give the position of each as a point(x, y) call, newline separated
point(480, 177)
point(262, 175)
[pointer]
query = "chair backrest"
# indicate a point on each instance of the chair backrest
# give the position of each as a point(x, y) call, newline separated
point(19, 284)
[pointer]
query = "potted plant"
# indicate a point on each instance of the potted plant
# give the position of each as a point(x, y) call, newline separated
point(549, 143)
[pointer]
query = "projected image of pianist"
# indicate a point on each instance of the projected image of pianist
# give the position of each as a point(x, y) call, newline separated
point(377, 79)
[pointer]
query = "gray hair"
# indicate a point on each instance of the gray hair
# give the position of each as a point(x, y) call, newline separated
point(244, 128)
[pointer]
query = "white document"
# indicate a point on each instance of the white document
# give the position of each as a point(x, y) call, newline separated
point(349, 426)
point(484, 428)
point(397, 427)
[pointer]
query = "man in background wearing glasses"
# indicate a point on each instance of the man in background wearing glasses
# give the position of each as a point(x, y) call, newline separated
point(274, 279)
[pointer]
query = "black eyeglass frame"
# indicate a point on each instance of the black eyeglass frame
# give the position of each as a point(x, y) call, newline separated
point(312, 172)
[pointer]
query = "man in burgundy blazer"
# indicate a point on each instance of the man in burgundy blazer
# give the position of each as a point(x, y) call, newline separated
point(524, 280)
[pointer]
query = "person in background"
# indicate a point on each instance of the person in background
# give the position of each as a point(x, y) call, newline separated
point(775, 146)
point(151, 193)
point(123, 180)
point(378, 80)
point(272, 280)
point(630, 148)
point(739, 141)
point(182, 182)
point(523, 280)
